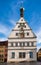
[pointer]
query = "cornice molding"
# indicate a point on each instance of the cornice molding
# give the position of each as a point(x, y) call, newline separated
point(23, 38)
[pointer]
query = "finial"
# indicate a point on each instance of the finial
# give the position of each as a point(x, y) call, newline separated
point(21, 12)
point(21, 3)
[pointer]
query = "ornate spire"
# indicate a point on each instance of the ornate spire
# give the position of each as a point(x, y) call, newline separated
point(21, 12)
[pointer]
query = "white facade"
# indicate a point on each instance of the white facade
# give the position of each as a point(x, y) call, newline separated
point(21, 43)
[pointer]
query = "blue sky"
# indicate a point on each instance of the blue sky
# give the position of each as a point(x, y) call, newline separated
point(10, 14)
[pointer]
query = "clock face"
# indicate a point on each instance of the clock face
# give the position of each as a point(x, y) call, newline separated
point(22, 24)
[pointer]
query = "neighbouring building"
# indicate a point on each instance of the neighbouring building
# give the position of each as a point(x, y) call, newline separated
point(3, 51)
point(22, 42)
point(39, 55)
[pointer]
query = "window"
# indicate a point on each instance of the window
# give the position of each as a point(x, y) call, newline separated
point(16, 34)
point(31, 54)
point(27, 43)
point(32, 43)
point(18, 44)
point(5, 50)
point(23, 43)
point(21, 54)
point(1, 55)
point(18, 26)
point(14, 44)
point(27, 33)
point(2, 50)
point(13, 54)
point(2, 59)
point(11, 44)
point(25, 26)
point(5, 54)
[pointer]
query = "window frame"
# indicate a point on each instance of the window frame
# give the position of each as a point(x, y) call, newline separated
point(32, 43)
point(31, 54)
point(12, 44)
point(13, 55)
point(27, 43)
point(22, 55)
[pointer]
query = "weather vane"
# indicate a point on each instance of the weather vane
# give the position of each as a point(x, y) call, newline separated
point(21, 3)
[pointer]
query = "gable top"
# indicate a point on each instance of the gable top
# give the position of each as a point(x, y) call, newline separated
point(21, 20)
point(16, 29)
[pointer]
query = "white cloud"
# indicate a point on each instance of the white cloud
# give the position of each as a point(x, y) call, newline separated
point(38, 48)
point(38, 33)
point(18, 4)
point(13, 22)
point(3, 39)
point(35, 18)
point(36, 22)
point(4, 29)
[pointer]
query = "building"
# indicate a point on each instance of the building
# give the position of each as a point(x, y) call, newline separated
point(22, 42)
point(3, 51)
point(39, 55)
